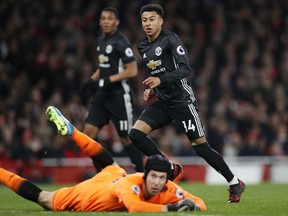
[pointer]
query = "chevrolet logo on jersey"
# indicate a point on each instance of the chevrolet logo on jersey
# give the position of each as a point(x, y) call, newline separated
point(102, 58)
point(153, 64)
point(103, 61)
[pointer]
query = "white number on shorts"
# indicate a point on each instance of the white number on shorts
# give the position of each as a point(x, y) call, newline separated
point(189, 125)
point(123, 125)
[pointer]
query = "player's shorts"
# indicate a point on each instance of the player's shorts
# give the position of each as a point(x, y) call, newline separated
point(118, 108)
point(158, 114)
point(95, 194)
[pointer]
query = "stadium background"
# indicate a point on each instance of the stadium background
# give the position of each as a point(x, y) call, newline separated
point(237, 49)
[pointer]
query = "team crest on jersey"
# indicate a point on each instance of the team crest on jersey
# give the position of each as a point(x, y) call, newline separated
point(136, 189)
point(109, 48)
point(158, 51)
point(179, 194)
point(180, 50)
point(129, 52)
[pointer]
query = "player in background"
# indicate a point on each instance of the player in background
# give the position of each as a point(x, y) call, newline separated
point(113, 99)
point(111, 189)
point(167, 61)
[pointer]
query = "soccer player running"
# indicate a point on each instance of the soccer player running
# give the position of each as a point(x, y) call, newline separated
point(111, 189)
point(114, 98)
point(167, 61)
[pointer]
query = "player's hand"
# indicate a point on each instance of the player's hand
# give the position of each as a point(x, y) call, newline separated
point(89, 87)
point(152, 82)
point(183, 205)
point(148, 93)
point(104, 83)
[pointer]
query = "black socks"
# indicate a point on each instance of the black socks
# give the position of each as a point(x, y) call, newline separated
point(144, 143)
point(214, 159)
point(135, 156)
point(102, 160)
point(29, 191)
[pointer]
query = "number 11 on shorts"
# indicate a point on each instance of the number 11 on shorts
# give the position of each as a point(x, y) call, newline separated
point(123, 125)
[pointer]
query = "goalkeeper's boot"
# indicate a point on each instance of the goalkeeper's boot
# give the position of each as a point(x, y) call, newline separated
point(175, 171)
point(64, 127)
point(235, 192)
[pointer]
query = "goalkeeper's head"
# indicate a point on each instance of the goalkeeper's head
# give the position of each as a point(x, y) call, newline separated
point(157, 163)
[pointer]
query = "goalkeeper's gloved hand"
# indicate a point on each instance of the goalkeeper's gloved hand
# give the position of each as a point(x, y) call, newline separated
point(183, 205)
point(89, 87)
point(104, 83)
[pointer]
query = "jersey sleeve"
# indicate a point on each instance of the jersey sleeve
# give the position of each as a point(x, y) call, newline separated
point(129, 194)
point(125, 50)
point(180, 57)
point(133, 203)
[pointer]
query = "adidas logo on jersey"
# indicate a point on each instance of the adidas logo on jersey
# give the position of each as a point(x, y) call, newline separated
point(144, 56)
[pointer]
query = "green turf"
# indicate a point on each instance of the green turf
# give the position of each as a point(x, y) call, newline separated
point(262, 199)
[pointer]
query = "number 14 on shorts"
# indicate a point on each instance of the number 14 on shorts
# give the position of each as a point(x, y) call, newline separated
point(188, 125)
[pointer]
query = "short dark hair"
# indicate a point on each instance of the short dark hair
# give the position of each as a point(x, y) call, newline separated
point(113, 10)
point(152, 7)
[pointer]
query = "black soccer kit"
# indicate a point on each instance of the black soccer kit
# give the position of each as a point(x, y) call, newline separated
point(166, 58)
point(116, 101)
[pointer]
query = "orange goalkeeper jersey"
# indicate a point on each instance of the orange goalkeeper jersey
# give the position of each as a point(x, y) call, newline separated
point(113, 190)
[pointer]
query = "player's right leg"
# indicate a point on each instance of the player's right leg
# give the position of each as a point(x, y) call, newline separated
point(89, 146)
point(190, 118)
point(152, 118)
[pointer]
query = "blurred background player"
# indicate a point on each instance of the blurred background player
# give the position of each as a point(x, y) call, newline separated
point(114, 97)
point(111, 189)
point(167, 61)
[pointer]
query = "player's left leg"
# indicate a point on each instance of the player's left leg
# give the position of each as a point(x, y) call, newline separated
point(192, 125)
point(25, 188)
point(89, 146)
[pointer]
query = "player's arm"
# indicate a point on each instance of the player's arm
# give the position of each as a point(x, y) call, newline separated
point(130, 65)
point(96, 75)
point(129, 194)
point(130, 71)
point(133, 203)
point(180, 56)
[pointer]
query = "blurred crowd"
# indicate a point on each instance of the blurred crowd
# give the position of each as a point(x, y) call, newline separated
point(238, 51)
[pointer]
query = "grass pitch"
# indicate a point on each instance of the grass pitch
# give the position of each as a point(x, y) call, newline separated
point(262, 199)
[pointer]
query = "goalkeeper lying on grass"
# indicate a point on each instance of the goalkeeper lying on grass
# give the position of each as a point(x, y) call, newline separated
point(111, 189)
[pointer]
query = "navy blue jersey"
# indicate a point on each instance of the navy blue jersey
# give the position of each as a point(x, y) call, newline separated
point(113, 52)
point(167, 58)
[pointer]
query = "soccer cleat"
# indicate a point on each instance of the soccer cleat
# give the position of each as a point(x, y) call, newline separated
point(64, 127)
point(235, 192)
point(175, 171)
